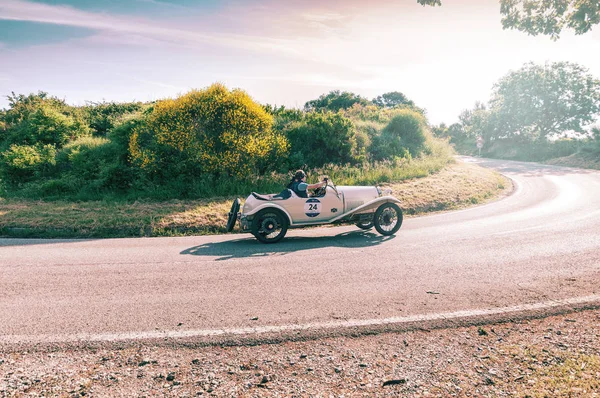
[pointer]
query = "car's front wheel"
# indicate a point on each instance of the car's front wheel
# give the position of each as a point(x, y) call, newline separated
point(269, 226)
point(388, 219)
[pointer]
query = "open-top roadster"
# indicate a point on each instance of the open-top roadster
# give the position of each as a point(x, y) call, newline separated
point(268, 217)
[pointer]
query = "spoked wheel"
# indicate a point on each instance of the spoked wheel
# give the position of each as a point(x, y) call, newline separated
point(366, 225)
point(388, 219)
point(269, 226)
point(232, 218)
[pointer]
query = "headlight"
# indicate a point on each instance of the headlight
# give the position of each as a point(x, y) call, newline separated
point(378, 191)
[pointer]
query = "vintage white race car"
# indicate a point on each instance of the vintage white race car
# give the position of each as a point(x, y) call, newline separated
point(268, 217)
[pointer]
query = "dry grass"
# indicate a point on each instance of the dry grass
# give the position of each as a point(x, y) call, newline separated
point(584, 161)
point(454, 187)
point(457, 185)
point(558, 375)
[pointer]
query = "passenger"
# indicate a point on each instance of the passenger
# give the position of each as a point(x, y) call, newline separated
point(299, 185)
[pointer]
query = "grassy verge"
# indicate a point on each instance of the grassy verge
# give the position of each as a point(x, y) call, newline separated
point(580, 160)
point(453, 187)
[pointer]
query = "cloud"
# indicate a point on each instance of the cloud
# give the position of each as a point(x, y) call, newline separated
point(297, 30)
point(21, 10)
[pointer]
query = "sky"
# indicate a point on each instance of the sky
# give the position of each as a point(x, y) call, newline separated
point(280, 52)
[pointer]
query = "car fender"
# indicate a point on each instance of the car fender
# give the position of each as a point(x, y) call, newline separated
point(270, 206)
point(372, 205)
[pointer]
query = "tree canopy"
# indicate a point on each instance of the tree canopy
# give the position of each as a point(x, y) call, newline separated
point(334, 101)
point(540, 101)
point(546, 17)
point(392, 99)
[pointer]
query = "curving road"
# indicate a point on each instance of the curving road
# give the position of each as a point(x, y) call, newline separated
point(539, 245)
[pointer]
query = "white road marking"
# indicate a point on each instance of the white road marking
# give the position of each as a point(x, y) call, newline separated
point(177, 334)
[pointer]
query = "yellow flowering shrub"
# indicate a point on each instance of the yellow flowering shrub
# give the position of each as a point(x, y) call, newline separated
point(215, 131)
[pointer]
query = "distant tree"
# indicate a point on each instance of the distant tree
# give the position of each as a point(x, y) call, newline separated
point(474, 121)
point(392, 99)
point(547, 17)
point(334, 101)
point(537, 102)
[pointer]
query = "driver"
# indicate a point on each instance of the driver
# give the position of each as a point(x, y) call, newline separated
point(299, 185)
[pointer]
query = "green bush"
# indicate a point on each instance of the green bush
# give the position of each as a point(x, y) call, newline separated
point(21, 106)
point(48, 126)
point(105, 116)
point(97, 162)
point(21, 163)
point(39, 119)
point(213, 131)
point(322, 138)
point(404, 136)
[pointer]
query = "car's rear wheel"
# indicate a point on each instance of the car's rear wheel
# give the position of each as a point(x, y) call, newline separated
point(388, 219)
point(366, 225)
point(269, 226)
point(233, 213)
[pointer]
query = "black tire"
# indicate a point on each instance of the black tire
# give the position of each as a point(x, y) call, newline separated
point(365, 225)
point(232, 218)
point(269, 225)
point(388, 219)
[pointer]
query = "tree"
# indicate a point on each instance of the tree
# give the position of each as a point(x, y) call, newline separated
point(474, 121)
point(537, 102)
point(334, 101)
point(547, 17)
point(392, 99)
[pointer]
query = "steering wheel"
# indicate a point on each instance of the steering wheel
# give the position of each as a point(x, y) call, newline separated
point(321, 191)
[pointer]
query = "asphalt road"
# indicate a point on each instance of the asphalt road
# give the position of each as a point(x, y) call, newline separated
point(541, 244)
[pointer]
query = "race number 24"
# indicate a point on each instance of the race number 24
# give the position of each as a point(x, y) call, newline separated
point(311, 207)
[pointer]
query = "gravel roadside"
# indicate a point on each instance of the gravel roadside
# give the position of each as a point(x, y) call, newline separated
point(555, 356)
